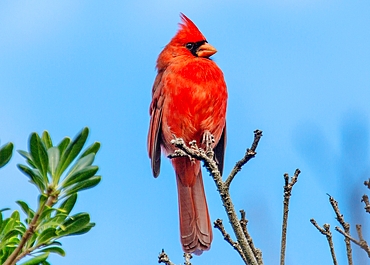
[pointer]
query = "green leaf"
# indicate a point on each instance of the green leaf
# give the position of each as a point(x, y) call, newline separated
point(53, 155)
point(64, 210)
point(16, 216)
point(39, 154)
point(31, 241)
point(6, 152)
point(25, 154)
point(74, 224)
point(92, 149)
point(24, 206)
point(13, 243)
point(7, 226)
point(83, 185)
point(80, 164)
point(81, 175)
point(37, 260)
point(46, 139)
point(54, 221)
point(64, 144)
point(46, 213)
point(5, 254)
point(69, 203)
point(55, 243)
point(34, 175)
point(46, 236)
point(56, 250)
point(86, 229)
point(21, 228)
point(26, 209)
point(72, 151)
point(28, 158)
point(42, 200)
point(10, 234)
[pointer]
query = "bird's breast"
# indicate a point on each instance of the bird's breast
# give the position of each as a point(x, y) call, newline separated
point(195, 100)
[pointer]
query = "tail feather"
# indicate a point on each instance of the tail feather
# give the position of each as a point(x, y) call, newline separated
point(195, 224)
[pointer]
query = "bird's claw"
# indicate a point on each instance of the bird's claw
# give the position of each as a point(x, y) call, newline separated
point(193, 145)
point(208, 140)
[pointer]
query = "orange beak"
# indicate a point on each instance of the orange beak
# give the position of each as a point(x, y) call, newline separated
point(206, 50)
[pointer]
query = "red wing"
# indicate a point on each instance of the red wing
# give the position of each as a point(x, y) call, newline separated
point(154, 138)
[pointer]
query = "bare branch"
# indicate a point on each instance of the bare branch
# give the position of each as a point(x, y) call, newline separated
point(220, 226)
point(194, 152)
point(345, 226)
point(365, 199)
point(249, 154)
point(163, 258)
point(361, 243)
point(367, 183)
point(187, 258)
point(287, 194)
point(257, 252)
point(326, 232)
point(198, 153)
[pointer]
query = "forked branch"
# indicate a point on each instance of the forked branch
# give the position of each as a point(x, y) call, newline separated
point(365, 199)
point(220, 226)
point(257, 252)
point(361, 242)
point(287, 194)
point(249, 154)
point(326, 232)
point(194, 152)
point(345, 225)
point(163, 258)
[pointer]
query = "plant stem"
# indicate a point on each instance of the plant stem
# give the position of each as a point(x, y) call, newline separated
point(17, 253)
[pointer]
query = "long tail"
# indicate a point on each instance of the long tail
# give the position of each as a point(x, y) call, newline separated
point(195, 224)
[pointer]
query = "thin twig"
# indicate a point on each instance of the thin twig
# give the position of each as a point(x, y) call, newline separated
point(367, 183)
point(365, 199)
point(287, 194)
point(257, 252)
point(345, 226)
point(220, 226)
point(249, 154)
point(361, 243)
point(326, 232)
point(163, 258)
point(187, 258)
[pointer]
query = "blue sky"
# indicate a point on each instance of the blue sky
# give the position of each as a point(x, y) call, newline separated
point(298, 70)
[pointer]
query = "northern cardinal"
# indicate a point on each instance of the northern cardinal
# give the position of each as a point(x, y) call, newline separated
point(189, 98)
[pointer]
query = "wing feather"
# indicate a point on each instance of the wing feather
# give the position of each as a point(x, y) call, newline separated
point(154, 135)
point(220, 150)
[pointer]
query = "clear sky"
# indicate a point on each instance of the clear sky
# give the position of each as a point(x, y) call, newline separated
point(298, 70)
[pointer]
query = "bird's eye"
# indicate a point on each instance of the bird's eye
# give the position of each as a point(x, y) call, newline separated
point(189, 45)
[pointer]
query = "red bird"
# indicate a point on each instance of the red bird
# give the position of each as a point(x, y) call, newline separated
point(189, 102)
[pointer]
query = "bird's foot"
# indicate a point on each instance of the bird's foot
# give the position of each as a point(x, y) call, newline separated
point(208, 140)
point(193, 144)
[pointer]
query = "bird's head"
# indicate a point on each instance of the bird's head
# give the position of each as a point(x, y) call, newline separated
point(190, 40)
